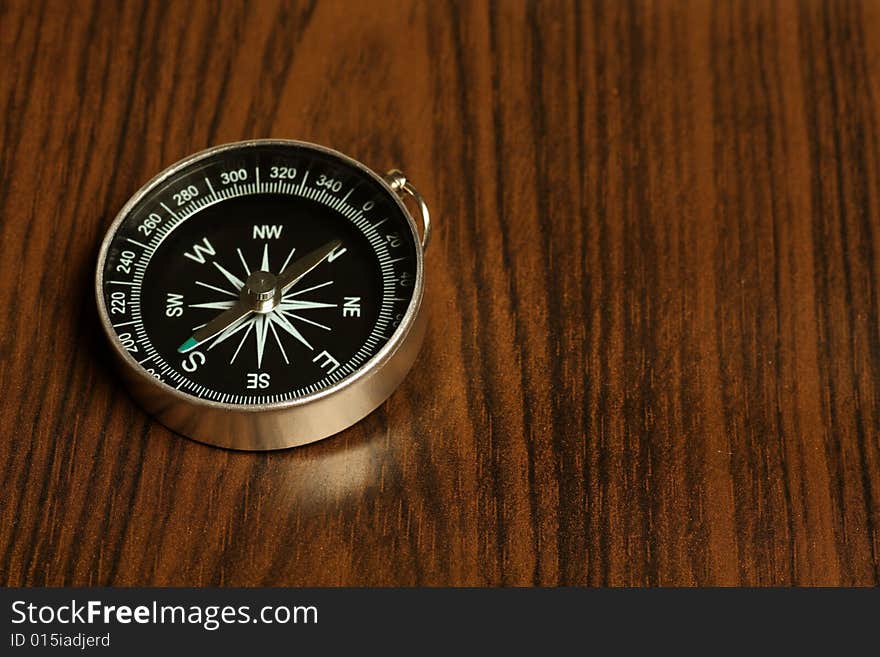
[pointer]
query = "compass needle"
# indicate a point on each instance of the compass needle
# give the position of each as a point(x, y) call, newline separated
point(229, 332)
point(224, 320)
point(292, 275)
point(265, 294)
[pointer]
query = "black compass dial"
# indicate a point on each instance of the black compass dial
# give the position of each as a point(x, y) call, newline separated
point(259, 273)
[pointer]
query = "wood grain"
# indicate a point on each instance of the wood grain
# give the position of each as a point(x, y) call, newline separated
point(654, 349)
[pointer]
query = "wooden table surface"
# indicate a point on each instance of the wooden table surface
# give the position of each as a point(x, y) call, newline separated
point(654, 351)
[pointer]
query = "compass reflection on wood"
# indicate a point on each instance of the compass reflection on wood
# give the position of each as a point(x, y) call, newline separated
point(264, 294)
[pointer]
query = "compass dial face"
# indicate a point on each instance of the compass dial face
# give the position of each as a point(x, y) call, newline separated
point(214, 233)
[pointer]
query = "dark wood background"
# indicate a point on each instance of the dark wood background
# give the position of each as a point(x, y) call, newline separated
point(654, 348)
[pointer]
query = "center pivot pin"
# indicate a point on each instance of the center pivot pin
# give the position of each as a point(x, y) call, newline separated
point(260, 291)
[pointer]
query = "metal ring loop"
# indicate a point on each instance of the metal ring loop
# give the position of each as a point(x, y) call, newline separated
point(398, 183)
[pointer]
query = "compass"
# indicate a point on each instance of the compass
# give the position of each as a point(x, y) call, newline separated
point(264, 294)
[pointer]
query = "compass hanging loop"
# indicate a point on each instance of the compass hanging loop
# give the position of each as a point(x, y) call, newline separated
point(399, 184)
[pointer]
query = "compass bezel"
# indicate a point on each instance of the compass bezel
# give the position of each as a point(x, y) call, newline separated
point(181, 410)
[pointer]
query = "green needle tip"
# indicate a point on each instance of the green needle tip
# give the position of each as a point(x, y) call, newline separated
point(186, 346)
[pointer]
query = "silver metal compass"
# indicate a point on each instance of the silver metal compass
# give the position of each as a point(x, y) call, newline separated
point(264, 294)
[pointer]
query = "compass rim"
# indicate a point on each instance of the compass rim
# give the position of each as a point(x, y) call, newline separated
point(374, 364)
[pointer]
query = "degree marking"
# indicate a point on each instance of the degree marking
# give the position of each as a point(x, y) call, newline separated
point(170, 211)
